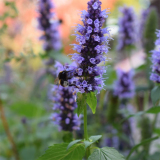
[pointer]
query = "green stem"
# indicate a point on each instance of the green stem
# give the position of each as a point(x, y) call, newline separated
point(155, 121)
point(85, 131)
point(85, 123)
point(8, 133)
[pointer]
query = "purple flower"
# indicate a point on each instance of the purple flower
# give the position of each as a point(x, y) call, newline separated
point(90, 70)
point(89, 29)
point(96, 38)
point(64, 105)
point(77, 58)
point(77, 47)
point(96, 23)
point(89, 21)
point(127, 29)
point(79, 71)
point(104, 14)
point(155, 75)
point(80, 29)
point(95, 5)
point(158, 36)
point(92, 44)
point(96, 30)
point(50, 35)
point(84, 83)
point(84, 14)
point(124, 86)
point(92, 60)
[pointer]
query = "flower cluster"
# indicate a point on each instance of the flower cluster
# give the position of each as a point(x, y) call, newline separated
point(155, 76)
point(93, 42)
point(127, 30)
point(64, 106)
point(124, 86)
point(49, 26)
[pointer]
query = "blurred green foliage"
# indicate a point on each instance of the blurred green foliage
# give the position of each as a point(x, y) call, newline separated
point(149, 33)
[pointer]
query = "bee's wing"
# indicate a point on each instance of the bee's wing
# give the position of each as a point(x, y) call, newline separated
point(56, 81)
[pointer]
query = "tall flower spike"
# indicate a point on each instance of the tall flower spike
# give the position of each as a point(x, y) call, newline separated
point(124, 86)
point(155, 76)
point(127, 29)
point(49, 26)
point(93, 42)
point(64, 106)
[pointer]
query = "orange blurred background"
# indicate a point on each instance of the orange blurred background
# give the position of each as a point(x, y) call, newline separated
point(22, 33)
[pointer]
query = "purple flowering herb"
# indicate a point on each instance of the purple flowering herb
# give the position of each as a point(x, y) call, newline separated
point(93, 41)
point(127, 29)
point(155, 75)
point(124, 86)
point(49, 27)
point(64, 105)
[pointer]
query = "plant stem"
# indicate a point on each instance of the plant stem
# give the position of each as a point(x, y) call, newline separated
point(85, 123)
point(85, 131)
point(8, 133)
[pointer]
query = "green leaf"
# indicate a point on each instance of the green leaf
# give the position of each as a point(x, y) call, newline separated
point(155, 94)
point(106, 153)
point(72, 143)
point(133, 115)
point(92, 139)
point(59, 152)
point(81, 102)
point(60, 57)
point(111, 73)
point(154, 110)
point(142, 143)
point(92, 101)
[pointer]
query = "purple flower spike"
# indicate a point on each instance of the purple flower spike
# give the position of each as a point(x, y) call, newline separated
point(50, 35)
point(124, 86)
point(127, 29)
point(93, 43)
point(64, 105)
point(155, 75)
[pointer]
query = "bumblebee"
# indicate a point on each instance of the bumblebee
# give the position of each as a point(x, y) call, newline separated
point(64, 76)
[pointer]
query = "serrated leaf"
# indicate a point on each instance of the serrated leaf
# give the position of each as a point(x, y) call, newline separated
point(92, 101)
point(92, 139)
point(155, 94)
point(142, 143)
point(59, 152)
point(95, 138)
point(106, 153)
point(81, 102)
point(72, 143)
point(154, 110)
